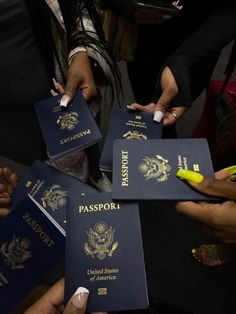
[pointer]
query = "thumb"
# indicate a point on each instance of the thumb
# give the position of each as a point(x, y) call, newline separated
point(209, 185)
point(70, 89)
point(78, 302)
point(136, 106)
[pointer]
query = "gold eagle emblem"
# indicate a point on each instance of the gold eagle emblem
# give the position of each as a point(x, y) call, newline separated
point(68, 120)
point(100, 241)
point(134, 135)
point(54, 197)
point(16, 252)
point(155, 168)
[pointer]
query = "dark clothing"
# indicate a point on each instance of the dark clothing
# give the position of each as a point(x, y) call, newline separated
point(178, 283)
point(121, 7)
point(38, 40)
point(24, 81)
point(194, 61)
point(157, 42)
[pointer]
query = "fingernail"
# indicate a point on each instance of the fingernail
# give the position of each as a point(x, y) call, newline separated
point(64, 101)
point(231, 170)
point(189, 175)
point(53, 93)
point(130, 107)
point(158, 116)
point(80, 297)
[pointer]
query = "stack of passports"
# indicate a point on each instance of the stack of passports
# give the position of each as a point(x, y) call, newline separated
point(104, 253)
point(30, 245)
point(35, 228)
point(146, 170)
point(66, 130)
point(50, 189)
point(127, 124)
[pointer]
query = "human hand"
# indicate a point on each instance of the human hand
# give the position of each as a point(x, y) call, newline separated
point(52, 301)
point(80, 76)
point(219, 218)
point(161, 109)
point(8, 181)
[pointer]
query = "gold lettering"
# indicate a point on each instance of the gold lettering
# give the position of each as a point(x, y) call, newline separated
point(111, 271)
point(74, 136)
point(185, 163)
point(124, 168)
point(109, 277)
point(98, 207)
point(38, 229)
point(94, 271)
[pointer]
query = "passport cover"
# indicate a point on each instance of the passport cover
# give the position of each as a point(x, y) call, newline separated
point(30, 246)
point(104, 253)
point(146, 170)
point(66, 130)
point(127, 124)
point(50, 188)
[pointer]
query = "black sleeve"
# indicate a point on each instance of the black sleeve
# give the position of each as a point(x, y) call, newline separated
point(193, 63)
point(121, 7)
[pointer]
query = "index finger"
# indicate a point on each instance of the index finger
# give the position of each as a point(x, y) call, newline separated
point(169, 91)
point(202, 212)
point(212, 186)
point(208, 185)
point(50, 301)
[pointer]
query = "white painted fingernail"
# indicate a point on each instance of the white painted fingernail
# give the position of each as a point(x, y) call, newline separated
point(80, 298)
point(53, 93)
point(55, 83)
point(158, 116)
point(64, 101)
point(130, 107)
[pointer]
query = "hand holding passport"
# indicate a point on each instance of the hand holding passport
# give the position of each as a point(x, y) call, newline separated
point(104, 253)
point(103, 236)
point(66, 130)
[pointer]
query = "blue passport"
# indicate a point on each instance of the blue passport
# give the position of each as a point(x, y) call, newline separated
point(104, 253)
point(50, 188)
point(146, 170)
point(126, 124)
point(30, 246)
point(66, 130)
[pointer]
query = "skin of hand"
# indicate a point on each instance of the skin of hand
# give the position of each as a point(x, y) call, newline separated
point(80, 76)
point(169, 92)
point(8, 181)
point(220, 218)
point(52, 301)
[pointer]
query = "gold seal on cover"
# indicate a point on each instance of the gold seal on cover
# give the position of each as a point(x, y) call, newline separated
point(100, 241)
point(16, 252)
point(155, 168)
